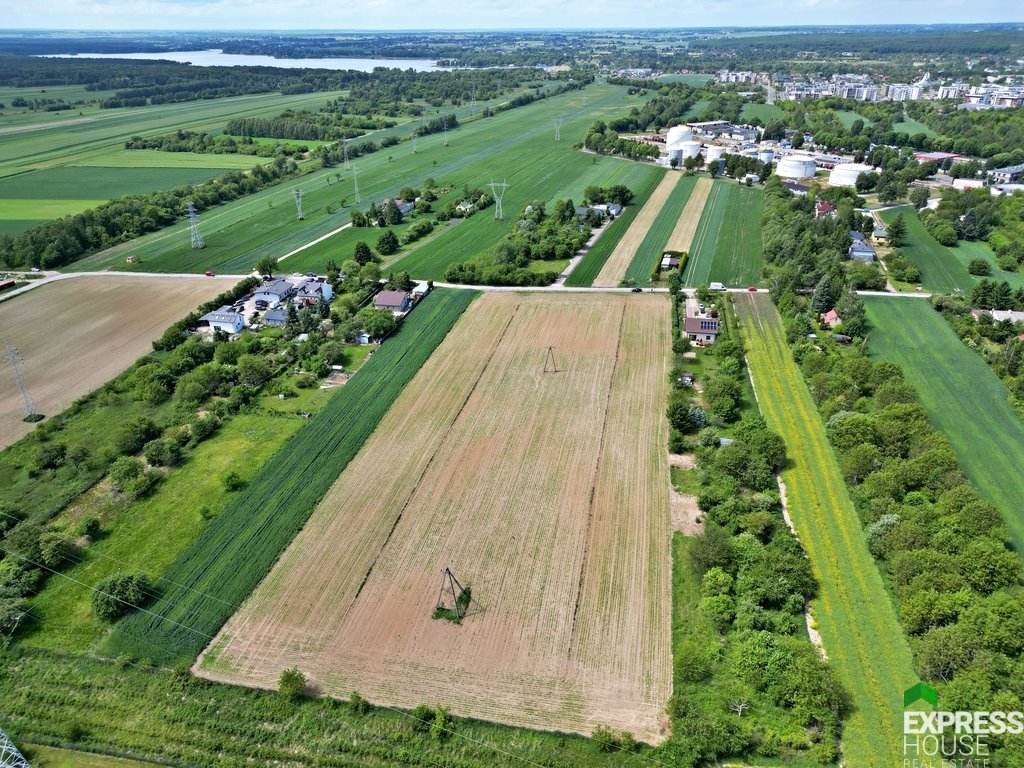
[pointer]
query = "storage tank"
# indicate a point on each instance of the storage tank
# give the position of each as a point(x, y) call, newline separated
point(845, 175)
point(714, 151)
point(678, 134)
point(796, 167)
point(766, 155)
point(690, 148)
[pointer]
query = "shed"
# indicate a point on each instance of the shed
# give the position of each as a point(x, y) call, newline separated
point(880, 236)
point(831, 319)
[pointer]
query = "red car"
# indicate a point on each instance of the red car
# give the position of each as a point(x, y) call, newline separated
point(208, 273)
point(752, 289)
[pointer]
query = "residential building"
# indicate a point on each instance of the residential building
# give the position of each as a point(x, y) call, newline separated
point(823, 208)
point(224, 319)
point(861, 251)
point(831, 319)
point(276, 317)
point(274, 291)
point(999, 315)
point(395, 301)
point(1009, 175)
point(464, 208)
point(797, 189)
point(703, 330)
point(313, 292)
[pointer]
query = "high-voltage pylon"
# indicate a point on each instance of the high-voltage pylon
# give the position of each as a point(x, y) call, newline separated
point(355, 180)
point(446, 136)
point(193, 220)
point(14, 358)
point(558, 128)
point(348, 165)
point(297, 194)
point(10, 757)
point(498, 191)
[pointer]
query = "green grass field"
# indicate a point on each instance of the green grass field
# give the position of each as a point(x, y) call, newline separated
point(726, 245)
point(967, 250)
point(648, 255)
point(763, 112)
point(150, 534)
point(849, 118)
point(92, 184)
point(154, 158)
point(211, 578)
point(965, 400)
point(697, 80)
point(940, 269)
point(696, 110)
point(52, 757)
point(517, 146)
point(911, 126)
point(591, 264)
point(857, 622)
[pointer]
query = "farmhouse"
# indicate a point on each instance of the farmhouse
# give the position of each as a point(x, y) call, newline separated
point(880, 236)
point(823, 208)
point(703, 330)
point(1008, 175)
point(465, 208)
point(404, 206)
point(831, 319)
point(276, 291)
point(608, 209)
point(395, 301)
point(999, 315)
point(420, 289)
point(224, 319)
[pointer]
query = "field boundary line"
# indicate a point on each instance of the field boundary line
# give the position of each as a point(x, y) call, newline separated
point(433, 456)
point(593, 479)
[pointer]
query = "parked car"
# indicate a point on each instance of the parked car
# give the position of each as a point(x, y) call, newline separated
point(752, 289)
point(208, 273)
point(638, 290)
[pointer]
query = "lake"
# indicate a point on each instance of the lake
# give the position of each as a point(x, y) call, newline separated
point(217, 58)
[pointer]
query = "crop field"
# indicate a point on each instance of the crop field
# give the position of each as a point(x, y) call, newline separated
point(626, 249)
point(964, 398)
point(648, 255)
point(858, 625)
point(76, 334)
point(686, 225)
point(152, 532)
point(154, 158)
point(940, 269)
point(517, 146)
point(763, 112)
point(697, 80)
point(202, 587)
point(547, 492)
point(726, 246)
point(592, 264)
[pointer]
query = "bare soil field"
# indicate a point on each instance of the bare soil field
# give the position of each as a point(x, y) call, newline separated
point(615, 268)
point(76, 334)
point(682, 235)
point(547, 492)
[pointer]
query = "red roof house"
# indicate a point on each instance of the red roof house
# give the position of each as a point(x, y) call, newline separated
point(831, 318)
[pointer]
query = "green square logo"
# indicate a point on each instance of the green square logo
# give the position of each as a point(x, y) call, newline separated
point(920, 692)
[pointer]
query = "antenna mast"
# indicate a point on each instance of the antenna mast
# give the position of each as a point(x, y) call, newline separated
point(498, 190)
point(297, 194)
point(10, 757)
point(355, 180)
point(193, 219)
point(14, 358)
point(558, 127)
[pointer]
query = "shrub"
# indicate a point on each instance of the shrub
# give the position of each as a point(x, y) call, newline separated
point(88, 526)
point(124, 470)
point(358, 704)
point(422, 716)
point(605, 739)
point(233, 482)
point(120, 594)
point(134, 434)
point(979, 267)
point(292, 685)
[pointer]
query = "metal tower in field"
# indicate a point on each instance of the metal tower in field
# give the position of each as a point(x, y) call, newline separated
point(448, 589)
point(10, 757)
point(550, 365)
point(498, 191)
point(558, 128)
point(472, 102)
point(348, 165)
point(446, 135)
point(193, 219)
point(355, 180)
point(297, 194)
point(14, 358)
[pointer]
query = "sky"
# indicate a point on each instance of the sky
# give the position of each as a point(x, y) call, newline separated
point(492, 14)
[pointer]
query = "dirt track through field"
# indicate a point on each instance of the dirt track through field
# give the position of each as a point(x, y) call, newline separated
point(615, 268)
point(76, 334)
point(682, 235)
point(548, 492)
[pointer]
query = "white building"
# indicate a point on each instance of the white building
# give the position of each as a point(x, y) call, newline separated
point(224, 319)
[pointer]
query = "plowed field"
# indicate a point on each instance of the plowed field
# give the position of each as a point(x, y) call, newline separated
point(547, 492)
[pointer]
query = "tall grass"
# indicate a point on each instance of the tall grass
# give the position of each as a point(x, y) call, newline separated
point(233, 554)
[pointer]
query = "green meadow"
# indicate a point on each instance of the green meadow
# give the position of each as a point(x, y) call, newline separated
point(940, 269)
point(726, 245)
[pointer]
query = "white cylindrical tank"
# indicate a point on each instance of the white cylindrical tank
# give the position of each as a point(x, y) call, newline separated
point(691, 148)
point(678, 133)
point(675, 154)
point(796, 167)
point(766, 155)
point(845, 175)
point(714, 151)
